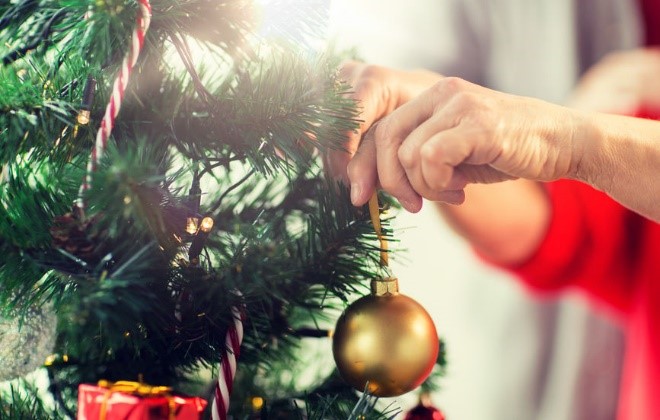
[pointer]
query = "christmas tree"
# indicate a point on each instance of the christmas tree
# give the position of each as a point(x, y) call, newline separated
point(162, 205)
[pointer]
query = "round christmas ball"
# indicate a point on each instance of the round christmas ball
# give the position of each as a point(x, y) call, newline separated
point(424, 410)
point(26, 341)
point(385, 342)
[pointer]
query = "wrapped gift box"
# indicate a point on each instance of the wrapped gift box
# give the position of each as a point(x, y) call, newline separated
point(135, 401)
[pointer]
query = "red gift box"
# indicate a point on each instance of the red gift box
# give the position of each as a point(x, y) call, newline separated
point(135, 401)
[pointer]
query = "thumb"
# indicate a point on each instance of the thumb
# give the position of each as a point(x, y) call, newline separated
point(362, 172)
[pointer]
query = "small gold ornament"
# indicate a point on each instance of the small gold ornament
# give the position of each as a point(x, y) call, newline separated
point(386, 340)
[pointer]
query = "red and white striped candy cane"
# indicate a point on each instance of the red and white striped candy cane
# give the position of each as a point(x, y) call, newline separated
point(225, 382)
point(234, 335)
point(112, 109)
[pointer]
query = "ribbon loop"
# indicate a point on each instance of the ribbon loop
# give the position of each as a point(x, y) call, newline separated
point(374, 213)
point(136, 388)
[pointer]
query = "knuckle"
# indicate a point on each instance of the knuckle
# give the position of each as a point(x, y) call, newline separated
point(431, 152)
point(362, 89)
point(390, 184)
point(382, 132)
point(465, 100)
point(451, 84)
point(406, 157)
point(437, 181)
point(372, 71)
point(371, 84)
point(363, 78)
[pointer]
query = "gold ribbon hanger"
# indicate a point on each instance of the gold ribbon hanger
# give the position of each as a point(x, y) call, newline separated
point(374, 213)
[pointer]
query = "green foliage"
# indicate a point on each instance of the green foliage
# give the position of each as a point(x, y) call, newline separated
point(222, 118)
point(22, 402)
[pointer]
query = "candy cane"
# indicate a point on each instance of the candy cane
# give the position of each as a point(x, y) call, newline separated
point(224, 384)
point(112, 109)
point(234, 335)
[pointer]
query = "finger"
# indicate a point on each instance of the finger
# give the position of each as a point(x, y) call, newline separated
point(451, 197)
point(389, 134)
point(442, 153)
point(391, 174)
point(367, 91)
point(479, 174)
point(410, 154)
point(335, 163)
point(362, 173)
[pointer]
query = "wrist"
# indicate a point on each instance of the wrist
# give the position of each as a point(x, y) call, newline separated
point(619, 155)
point(590, 151)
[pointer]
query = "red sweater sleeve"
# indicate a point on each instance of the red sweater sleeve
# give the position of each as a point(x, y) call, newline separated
point(590, 243)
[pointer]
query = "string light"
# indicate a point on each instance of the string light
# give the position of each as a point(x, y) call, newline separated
point(257, 403)
point(84, 114)
point(83, 117)
point(50, 360)
point(54, 358)
point(206, 225)
point(199, 240)
point(87, 101)
point(192, 224)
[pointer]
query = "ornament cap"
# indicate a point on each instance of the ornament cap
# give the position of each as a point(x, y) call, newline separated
point(385, 287)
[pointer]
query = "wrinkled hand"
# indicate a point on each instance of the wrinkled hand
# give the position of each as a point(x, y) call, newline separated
point(457, 133)
point(621, 83)
point(378, 91)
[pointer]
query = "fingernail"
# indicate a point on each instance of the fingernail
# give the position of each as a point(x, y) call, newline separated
point(356, 191)
point(407, 205)
point(411, 206)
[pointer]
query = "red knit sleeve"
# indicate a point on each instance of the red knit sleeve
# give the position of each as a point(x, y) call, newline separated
point(590, 244)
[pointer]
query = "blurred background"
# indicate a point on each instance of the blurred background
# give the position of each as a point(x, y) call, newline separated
point(511, 354)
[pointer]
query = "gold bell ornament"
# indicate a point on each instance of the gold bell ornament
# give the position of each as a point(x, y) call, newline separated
point(385, 342)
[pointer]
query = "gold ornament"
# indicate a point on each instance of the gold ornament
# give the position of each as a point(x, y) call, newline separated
point(387, 340)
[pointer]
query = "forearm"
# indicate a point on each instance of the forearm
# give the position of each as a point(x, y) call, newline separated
point(621, 157)
point(505, 222)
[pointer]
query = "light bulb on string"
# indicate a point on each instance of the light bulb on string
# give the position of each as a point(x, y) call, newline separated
point(198, 242)
point(206, 225)
point(84, 113)
point(192, 225)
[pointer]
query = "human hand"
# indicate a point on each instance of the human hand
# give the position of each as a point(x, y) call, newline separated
point(378, 91)
point(457, 133)
point(621, 83)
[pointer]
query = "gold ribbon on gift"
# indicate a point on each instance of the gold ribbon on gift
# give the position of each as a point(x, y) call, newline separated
point(139, 389)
